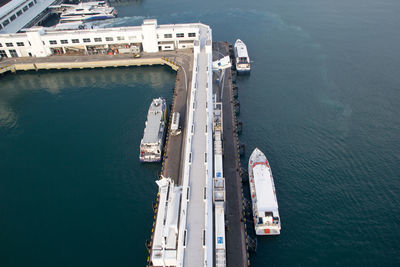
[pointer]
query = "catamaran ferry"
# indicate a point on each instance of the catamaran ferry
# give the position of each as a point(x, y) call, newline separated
point(263, 196)
point(153, 138)
point(242, 57)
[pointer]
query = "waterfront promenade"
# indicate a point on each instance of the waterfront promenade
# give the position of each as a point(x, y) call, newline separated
point(90, 61)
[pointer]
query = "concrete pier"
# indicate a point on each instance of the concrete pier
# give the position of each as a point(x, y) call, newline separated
point(85, 61)
point(236, 247)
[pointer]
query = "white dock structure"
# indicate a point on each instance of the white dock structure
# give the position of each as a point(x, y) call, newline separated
point(195, 241)
point(199, 207)
point(196, 220)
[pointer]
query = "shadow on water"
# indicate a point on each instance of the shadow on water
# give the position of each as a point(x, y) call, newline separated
point(71, 181)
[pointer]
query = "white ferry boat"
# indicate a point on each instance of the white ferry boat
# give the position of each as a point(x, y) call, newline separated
point(263, 196)
point(152, 143)
point(88, 11)
point(241, 57)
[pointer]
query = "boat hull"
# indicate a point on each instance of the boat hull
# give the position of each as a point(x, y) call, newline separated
point(266, 220)
point(243, 71)
point(145, 160)
point(93, 18)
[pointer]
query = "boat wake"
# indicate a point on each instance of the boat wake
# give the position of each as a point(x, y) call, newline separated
point(122, 21)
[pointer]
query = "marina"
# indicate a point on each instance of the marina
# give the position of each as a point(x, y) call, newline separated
point(321, 103)
point(192, 219)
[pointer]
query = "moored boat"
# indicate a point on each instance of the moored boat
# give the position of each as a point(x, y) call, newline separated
point(263, 195)
point(151, 145)
point(242, 59)
point(84, 12)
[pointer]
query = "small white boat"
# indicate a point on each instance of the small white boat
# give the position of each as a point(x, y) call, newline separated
point(241, 57)
point(263, 196)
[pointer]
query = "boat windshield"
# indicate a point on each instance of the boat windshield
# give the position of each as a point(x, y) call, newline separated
point(242, 60)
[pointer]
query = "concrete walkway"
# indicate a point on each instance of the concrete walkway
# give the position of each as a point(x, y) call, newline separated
point(196, 208)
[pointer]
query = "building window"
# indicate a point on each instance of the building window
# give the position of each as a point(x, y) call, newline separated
point(120, 38)
point(180, 35)
point(1, 27)
point(20, 43)
point(6, 22)
point(13, 17)
point(13, 53)
point(19, 13)
point(25, 8)
point(30, 4)
point(9, 44)
point(192, 34)
point(86, 40)
point(53, 42)
point(97, 39)
point(168, 35)
point(1, 45)
point(64, 41)
point(75, 41)
point(3, 54)
point(109, 39)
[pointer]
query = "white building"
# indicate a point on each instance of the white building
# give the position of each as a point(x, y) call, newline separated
point(17, 14)
point(151, 37)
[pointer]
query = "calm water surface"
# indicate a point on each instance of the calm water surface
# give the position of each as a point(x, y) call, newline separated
point(321, 102)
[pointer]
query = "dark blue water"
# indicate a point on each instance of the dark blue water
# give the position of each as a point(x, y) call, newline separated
point(321, 102)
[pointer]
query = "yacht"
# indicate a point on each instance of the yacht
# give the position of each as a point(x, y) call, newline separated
point(88, 11)
point(241, 57)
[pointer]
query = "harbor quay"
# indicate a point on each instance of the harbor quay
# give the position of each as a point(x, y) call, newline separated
point(236, 234)
point(198, 218)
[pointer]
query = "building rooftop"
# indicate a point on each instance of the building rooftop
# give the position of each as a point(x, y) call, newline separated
point(26, 17)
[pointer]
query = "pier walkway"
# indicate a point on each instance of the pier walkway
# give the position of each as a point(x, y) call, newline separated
point(195, 243)
point(195, 223)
